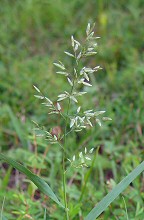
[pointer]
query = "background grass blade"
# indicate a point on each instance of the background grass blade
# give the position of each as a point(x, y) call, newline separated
point(110, 197)
point(45, 214)
point(6, 178)
point(39, 182)
point(1, 216)
point(17, 126)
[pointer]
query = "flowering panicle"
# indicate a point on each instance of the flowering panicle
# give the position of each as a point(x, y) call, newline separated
point(78, 76)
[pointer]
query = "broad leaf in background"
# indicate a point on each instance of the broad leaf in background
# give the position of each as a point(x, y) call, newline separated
point(111, 196)
point(39, 182)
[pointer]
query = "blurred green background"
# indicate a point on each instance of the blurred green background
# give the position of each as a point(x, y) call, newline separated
point(34, 34)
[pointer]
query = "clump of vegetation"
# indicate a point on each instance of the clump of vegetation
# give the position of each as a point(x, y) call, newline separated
point(75, 119)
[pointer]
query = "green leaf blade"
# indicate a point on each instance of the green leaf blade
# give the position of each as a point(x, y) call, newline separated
point(39, 182)
point(111, 196)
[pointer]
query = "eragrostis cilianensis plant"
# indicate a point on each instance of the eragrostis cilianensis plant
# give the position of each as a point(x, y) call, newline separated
point(80, 119)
